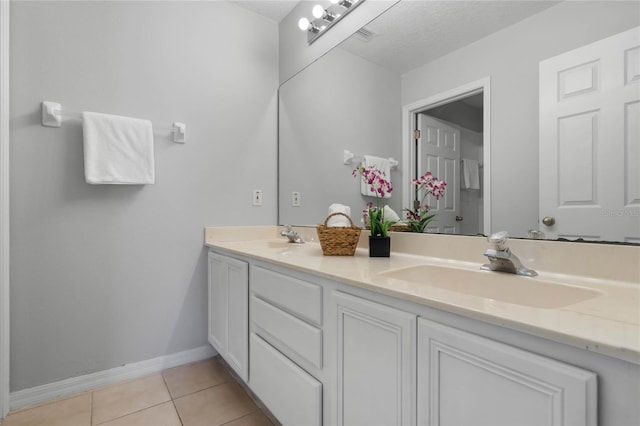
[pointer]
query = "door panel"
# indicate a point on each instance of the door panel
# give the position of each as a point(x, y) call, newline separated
point(465, 379)
point(439, 153)
point(376, 363)
point(589, 140)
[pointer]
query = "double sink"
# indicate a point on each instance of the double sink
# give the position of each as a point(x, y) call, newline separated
point(534, 292)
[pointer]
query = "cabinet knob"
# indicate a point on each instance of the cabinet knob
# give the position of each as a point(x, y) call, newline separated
point(549, 220)
point(459, 218)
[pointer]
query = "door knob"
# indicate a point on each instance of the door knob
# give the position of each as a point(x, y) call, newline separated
point(459, 218)
point(549, 220)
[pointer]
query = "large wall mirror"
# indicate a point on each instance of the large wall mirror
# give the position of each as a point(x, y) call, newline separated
point(543, 98)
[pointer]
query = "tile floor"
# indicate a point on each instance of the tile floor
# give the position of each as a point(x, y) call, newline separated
point(202, 393)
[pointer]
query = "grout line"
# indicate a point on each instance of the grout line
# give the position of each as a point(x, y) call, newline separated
point(133, 412)
point(177, 412)
point(261, 407)
point(241, 417)
point(173, 402)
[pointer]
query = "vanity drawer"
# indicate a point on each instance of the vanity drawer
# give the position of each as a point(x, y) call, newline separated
point(293, 295)
point(290, 393)
point(280, 328)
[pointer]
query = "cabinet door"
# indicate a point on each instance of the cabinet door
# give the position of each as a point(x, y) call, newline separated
point(237, 352)
point(229, 311)
point(376, 363)
point(466, 379)
point(218, 302)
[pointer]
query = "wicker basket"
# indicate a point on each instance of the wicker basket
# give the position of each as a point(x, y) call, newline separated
point(338, 240)
point(400, 227)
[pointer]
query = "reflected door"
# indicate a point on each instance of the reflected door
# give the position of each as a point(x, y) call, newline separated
point(439, 153)
point(590, 141)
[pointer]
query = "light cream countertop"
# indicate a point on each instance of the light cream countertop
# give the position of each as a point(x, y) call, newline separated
point(586, 295)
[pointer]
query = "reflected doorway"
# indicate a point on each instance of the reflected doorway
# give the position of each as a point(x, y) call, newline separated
point(449, 144)
point(449, 134)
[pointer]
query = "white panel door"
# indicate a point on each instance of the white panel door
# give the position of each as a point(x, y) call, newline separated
point(439, 153)
point(590, 139)
point(465, 379)
point(376, 363)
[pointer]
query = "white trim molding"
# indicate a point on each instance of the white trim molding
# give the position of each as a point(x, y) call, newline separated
point(4, 208)
point(50, 391)
point(408, 125)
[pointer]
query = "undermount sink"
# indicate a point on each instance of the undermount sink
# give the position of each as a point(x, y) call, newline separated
point(283, 243)
point(500, 286)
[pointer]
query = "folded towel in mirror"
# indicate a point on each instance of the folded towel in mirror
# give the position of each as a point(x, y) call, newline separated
point(339, 220)
point(390, 214)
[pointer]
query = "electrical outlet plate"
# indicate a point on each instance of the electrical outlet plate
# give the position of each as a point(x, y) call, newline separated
point(295, 199)
point(257, 197)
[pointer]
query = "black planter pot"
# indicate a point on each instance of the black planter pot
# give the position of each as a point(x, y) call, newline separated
point(379, 246)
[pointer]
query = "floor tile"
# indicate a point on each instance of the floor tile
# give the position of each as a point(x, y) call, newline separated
point(160, 415)
point(254, 419)
point(215, 406)
point(195, 377)
point(125, 398)
point(74, 411)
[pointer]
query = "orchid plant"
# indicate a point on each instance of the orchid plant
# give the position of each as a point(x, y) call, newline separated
point(419, 217)
point(381, 186)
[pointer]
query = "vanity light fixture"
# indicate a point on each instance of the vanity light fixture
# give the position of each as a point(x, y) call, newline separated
point(320, 12)
point(325, 17)
point(343, 3)
point(305, 25)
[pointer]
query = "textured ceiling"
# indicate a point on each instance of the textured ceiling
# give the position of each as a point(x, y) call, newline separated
point(414, 32)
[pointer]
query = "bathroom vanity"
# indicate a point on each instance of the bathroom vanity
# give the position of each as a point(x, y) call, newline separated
point(421, 338)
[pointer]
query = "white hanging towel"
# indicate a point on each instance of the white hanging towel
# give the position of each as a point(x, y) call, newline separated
point(381, 164)
point(470, 174)
point(117, 150)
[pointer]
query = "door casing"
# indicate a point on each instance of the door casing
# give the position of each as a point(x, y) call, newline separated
point(409, 124)
point(4, 208)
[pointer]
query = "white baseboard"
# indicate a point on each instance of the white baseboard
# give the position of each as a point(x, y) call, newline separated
point(50, 391)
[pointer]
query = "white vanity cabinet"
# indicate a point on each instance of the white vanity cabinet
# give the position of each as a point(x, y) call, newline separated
point(465, 379)
point(324, 352)
point(376, 348)
point(229, 311)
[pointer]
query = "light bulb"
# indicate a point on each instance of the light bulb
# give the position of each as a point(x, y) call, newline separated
point(303, 24)
point(318, 11)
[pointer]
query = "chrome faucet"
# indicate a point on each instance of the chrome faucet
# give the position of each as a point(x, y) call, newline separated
point(502, 259)
point(291, 235)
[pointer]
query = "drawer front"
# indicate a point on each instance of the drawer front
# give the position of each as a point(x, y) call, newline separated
point(273, 323)
point(296, 296)
point(289, 392)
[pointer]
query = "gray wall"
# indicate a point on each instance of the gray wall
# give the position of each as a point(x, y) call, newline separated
point(318, 122)
point(103, 276)
point(511, 58)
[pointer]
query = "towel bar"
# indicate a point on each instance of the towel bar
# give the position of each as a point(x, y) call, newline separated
point(52, 117)
point(348, 157)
